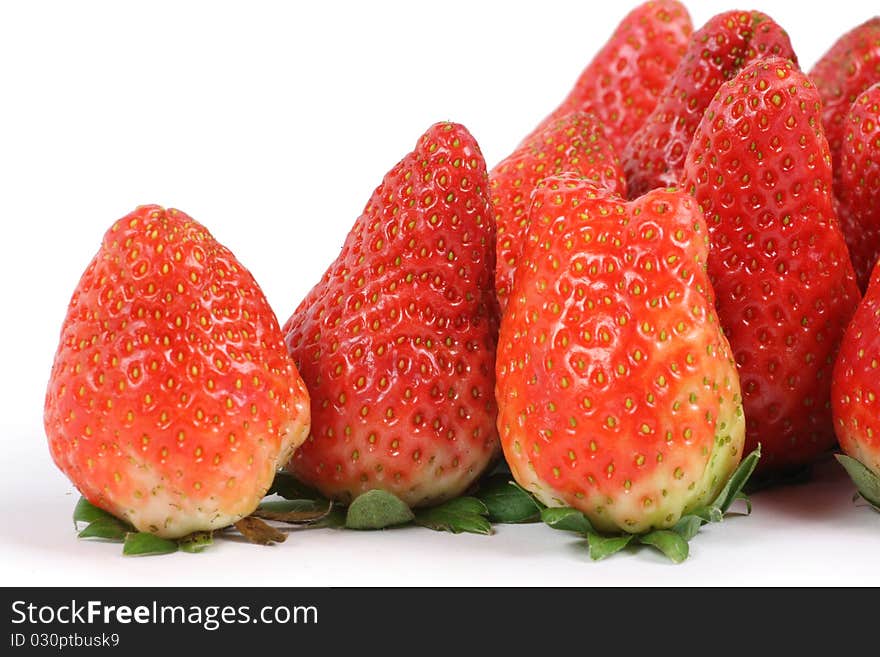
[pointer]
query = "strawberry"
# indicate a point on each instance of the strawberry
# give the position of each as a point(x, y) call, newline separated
point(396, 343)
point(617, 394)
point(620, 86)
point(655, 154)
point(854, 390)
point(172, 400)
point(759, 167)
point(574, 143)
point(849, 67)
point(857, 183)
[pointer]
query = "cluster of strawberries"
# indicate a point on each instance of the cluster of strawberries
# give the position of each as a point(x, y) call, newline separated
point(679, 248)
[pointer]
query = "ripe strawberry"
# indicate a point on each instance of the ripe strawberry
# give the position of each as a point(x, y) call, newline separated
point(617, 394)
point(620, 86)
point(854, 389)
point(857, 183)
point(575, 143)
point(172, 400)
point(760, 169)
point(849, 67)
point(655, 154)
point(397, 341)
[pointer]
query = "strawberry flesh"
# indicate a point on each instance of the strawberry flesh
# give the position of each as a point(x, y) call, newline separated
point(857, 183)
point(655, 154)
point(397, 341)
point(760, 169)
point(575, 143)
point(622, 83)
point(172, 400)
point(616, 390)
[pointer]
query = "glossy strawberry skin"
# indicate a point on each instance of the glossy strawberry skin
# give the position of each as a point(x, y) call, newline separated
point(620, 86)
point(616, 390)
point(857, 183)
point(172, 400)
point(854, 386)
point(654, 156)
point(396, 343)
point(575, 143)
point(850, 66)
point(759, 167)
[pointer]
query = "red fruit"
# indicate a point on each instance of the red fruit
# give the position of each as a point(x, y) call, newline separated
point(854, 386)
point(760, 169)
point(397, 341)
point(849, 67)
point(622, 83)
point(617, 394)
point(575, 143)
point(857, 183)
point(172, 399)
point(655, 154)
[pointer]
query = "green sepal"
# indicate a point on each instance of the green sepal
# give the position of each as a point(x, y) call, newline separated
point(85, 511)
point(567, 519)
point(867, 483)
point(293, 506)
point(688, 526)
point(334, 520)
point(670, 543)
point(602, 547)
point(195, 542)
point(145, 544)
point(733, 488)
point(463, 514)
point(107, 528)
point(377, 509)
point(506, 501)
point(290, 488)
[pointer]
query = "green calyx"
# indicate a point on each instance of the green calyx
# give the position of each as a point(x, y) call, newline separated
point(672, 542)
point(866, 481)
point(498, 499)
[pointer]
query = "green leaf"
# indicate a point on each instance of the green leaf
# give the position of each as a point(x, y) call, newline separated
point(377, 509)
point(293, 506)
point(711, 513)
point(335, 519)
point(745, 498)
point(866, 481)
point(670, 543)
point(567, 519)
point(85, 511)
point(507, 502)
point(604, 546)
point(109, 528)
point(737, 480)
point(289, 487)
point(688, 526)
point(463, 514)
point(144, 544)
point(195, 542)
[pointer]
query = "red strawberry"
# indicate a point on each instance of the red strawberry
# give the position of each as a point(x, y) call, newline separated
point(620, 86)
point(760, 169)
point(854, 386)
point(172, 400)
point(655, 154)
point(617, 394)
point(575, 143)
point(849, 67)
point(857, 183)
point(397, 341)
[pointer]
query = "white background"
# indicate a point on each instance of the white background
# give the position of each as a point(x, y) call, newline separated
point(271, 123)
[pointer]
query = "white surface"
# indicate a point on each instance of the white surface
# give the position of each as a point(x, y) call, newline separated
point(271, 123)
